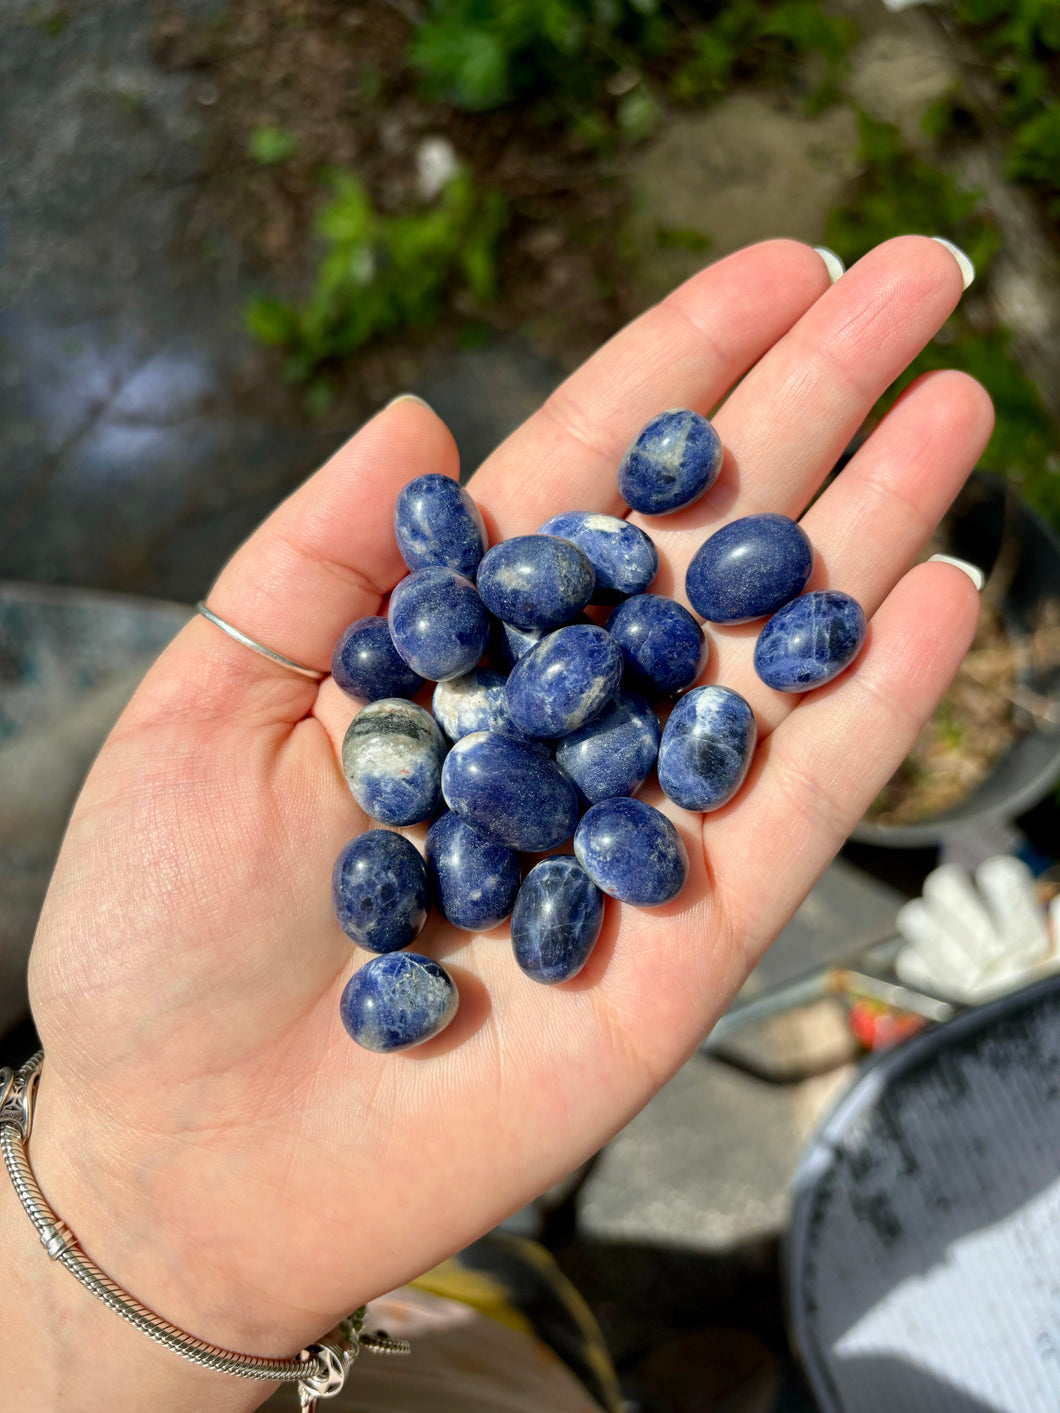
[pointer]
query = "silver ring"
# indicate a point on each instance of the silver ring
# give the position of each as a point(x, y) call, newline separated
point(239, 637)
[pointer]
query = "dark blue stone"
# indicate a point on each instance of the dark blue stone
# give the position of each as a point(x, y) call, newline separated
point(509, 792)
point(478, 701)
point(397, 1001)
point(749, 568)
point(663, 646)
point(392, 757)
point(379, 888)
point(674, 460)
point(706, 748)
point(564, 681)
point(557, 919)
point(612, 754)
point(810, 641)
point(438, 623)
point(437, 522)
point(508, 643)
point(624, 558)
point(632, 851)
point(366, 664)
point(535, 581)
point(474, 880)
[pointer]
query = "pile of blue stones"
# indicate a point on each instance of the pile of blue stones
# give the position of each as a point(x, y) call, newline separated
point(541, 715)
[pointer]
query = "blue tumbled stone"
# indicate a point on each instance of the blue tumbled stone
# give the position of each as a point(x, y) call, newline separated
point(749, 568)
point(557, 919)
point(508, 643)
point(366, 664)
point(438, 623)
point(535, 581)
point(672, 462)
point(474, 880)
point(397, 1001)
point(478, 701)
point(632, 851)
point(565, 680)
point(810, 641)
point(392, 757)
point(510, 793)
point(613, 753)
point(706, 748)
point(663, 646)
point(624, 558)
point(437, 522)
point(379, 888)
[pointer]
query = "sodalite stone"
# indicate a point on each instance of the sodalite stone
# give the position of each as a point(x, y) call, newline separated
point(397, 1001)
point(380, 891)
point(632, 851)
point(810, 641)
point(510, 793)
point(535, 581)
point(624, 558)
point(706, 748)
point(564, 681)
point(474, 880)
point(508, 643)
point(673, 461)
point(392, 758)
point(474, 702)
point(557, 919)
point(366, 664)
point(663, 646)
point(438, 623)
point(749, 568)
point(437, 522)
point(612, 754)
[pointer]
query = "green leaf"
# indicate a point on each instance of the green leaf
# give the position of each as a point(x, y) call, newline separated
point(270, 145)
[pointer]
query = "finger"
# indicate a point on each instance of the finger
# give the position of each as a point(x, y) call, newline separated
point(821, 769)
point(324, 557)
point(687, 351)
point(871, 523)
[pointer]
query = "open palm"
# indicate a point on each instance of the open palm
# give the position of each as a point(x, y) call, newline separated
point(187, 970)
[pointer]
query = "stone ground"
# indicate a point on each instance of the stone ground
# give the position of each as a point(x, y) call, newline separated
point(140, 440)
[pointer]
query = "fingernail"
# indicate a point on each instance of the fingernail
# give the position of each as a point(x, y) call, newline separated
point(973, 571)
point(832, 263)
point(967, 269)
point(408, 397)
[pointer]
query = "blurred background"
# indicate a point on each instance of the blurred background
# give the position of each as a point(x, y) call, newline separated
point(231, 229)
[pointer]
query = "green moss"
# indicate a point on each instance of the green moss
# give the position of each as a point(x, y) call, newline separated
point(270, 144)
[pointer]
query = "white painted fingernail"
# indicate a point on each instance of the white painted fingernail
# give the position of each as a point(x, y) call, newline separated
point(408, 397)
point(966, 267)
point(973, 571)
point(832, 263)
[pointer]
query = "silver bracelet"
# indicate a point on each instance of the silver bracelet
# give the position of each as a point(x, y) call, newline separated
point(319, 1370)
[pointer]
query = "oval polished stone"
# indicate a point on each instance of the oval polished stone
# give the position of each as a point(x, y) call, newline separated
point(437, 522)
point(438, 623)
point(397, 1001)
point(663, 646)
point(672, 462)
point(624, 558)
point(612, 754)
point(706, 748)
point(366, 664)
point(632, 851)
point(474, 881)
point(474, 702)
point(749, 568)
point(535, 581)
point(508, 643)
point(810, 641)
point(565, 680)
point(392, 757)
point(510, 793)
point(380, 891)
point(557, 919)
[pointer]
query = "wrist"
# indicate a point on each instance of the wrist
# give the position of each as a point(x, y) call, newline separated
point(61, 1347)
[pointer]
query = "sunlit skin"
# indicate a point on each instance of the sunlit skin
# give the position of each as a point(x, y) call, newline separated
point(205, 1124)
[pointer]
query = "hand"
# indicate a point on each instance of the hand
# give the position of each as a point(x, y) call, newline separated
point(205, 1125)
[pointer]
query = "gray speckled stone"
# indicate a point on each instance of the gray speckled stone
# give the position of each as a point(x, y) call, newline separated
point(392, 758)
